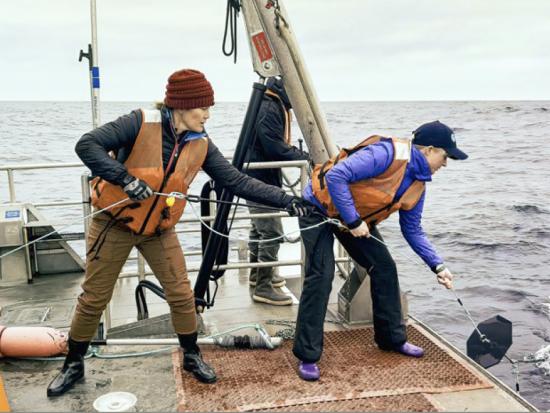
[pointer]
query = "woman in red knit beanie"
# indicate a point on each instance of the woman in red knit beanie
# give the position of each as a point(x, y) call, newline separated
point(189, 95)
point(158, 150)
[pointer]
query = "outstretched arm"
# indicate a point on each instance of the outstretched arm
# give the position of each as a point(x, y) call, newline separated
point(226, 175)
point(411, 227)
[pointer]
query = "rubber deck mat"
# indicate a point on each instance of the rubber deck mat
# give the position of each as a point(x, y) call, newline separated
point(355, 375)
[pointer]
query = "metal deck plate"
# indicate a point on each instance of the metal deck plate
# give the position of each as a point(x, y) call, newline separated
point(355, 374)
point(415, 402)
point(39, 313)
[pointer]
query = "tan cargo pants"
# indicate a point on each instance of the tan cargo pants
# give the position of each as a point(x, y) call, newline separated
point(164, 255)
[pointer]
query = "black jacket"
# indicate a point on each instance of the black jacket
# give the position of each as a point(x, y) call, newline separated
point(119, 136)
point(269, 144)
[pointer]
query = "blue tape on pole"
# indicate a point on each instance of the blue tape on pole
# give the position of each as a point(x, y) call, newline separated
point(95, 77)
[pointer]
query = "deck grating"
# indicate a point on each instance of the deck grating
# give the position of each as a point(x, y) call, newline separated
point(355, 374)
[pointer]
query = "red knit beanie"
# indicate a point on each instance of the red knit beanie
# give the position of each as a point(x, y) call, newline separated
point(188, 89)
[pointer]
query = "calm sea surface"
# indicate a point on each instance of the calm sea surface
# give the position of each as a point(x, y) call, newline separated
point(489, 216)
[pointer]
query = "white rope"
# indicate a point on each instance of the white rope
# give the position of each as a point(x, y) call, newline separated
point(64, 227)
point(260, 241)
point(180, 195)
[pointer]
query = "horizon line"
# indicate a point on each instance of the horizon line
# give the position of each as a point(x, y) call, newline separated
point(322, 101)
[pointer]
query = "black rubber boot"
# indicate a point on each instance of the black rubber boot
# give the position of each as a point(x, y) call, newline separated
point(264, 291)
point(192, 359)
point(72, 370)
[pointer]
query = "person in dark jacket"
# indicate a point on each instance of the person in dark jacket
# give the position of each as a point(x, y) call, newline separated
point(361, 187)
point(157, 150)
point(272, 142)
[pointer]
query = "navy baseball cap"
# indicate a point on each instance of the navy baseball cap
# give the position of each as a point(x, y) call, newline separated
point(439, 135)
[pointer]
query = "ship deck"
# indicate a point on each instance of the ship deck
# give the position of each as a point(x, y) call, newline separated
point(356, 376)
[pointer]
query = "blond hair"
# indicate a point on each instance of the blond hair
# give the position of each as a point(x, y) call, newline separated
point(159, 105)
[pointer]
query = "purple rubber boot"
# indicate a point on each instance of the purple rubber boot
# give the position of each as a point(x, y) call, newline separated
point(410, 350)
point(308, 371)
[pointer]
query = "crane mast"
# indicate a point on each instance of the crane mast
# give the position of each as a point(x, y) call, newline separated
point(275, 52)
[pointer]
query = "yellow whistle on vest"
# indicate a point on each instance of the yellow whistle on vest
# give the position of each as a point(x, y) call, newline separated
point(170, 201)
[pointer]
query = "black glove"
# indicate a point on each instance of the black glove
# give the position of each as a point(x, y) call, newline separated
point(299, 207)
point(138, 190)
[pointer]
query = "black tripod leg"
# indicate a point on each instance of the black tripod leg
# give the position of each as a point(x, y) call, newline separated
point(214, 241)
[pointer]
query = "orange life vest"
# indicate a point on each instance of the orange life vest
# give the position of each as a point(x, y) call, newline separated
point(288, 116)
point(145, 163)
point(373, 197)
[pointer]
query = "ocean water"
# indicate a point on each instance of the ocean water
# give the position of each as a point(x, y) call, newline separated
point(488, 216)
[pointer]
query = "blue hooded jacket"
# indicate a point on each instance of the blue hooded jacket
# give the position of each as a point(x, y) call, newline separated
point(371, 161)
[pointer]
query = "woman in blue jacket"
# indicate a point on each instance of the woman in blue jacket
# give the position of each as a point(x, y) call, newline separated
point(361, 187)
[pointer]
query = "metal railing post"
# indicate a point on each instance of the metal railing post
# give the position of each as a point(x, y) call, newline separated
point(11, 185)
point(107, 322)
point(141, 266)
point(303, 182)
point(86, 201)
point(141, 271)
point(242, 250)
point(27, 249)
point(343, 267)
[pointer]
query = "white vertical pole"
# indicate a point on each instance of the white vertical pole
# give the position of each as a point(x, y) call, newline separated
point(96, 120)
point(94, 68)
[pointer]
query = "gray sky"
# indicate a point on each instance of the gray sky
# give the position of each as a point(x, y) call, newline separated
point(354, 49)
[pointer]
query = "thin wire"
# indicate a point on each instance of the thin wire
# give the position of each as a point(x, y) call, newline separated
point(482, 336)
point(64, 227)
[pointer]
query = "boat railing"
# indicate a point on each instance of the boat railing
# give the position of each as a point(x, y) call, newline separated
point(342, 259)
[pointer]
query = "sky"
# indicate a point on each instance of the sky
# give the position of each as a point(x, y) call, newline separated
point(355, 50)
